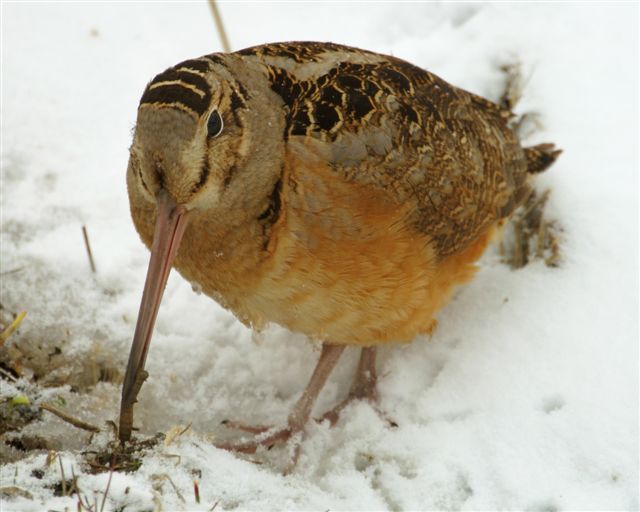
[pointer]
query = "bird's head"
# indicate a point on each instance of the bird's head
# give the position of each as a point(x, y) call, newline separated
point(196, 135)
point(205, 141)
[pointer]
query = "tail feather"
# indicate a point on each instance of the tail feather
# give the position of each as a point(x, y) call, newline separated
point(540, 157)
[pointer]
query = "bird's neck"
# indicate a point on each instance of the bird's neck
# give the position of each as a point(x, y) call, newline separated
point(224, 249)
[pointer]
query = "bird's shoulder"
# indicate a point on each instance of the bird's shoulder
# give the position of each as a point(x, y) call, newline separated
point(385, 123)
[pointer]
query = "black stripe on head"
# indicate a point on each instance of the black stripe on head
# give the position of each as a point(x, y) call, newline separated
point(185, 76)
point(175, 93)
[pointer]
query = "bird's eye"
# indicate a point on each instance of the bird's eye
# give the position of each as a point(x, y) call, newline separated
point(214, 124)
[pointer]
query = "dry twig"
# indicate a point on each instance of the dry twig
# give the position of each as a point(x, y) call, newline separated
point(69, 419)
point(12, 491)
point(85, 235)
point(13, 271)
point(532, 236)
point(8, 375)
point(106, 491)
point(515, 85)
point(220, 26)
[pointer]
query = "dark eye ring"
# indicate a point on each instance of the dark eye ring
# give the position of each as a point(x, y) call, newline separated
point(214, 124)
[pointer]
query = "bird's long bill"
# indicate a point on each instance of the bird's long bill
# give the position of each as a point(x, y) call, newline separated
point(170, 226)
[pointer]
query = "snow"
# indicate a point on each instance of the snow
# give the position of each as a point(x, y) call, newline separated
point(526, 396)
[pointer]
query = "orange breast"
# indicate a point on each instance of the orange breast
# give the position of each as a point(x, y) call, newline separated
point(346, 266)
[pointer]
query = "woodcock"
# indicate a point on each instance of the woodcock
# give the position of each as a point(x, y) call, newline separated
point(335, 191)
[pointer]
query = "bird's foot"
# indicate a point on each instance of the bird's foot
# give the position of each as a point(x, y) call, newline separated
point(333, 415)
point(251, 429)
point(293, 432)
point(267, 437)
point(263, 436)
point(364, 387)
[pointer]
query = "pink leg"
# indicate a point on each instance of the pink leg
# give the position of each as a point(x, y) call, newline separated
point(363, 387)
point(299, 414)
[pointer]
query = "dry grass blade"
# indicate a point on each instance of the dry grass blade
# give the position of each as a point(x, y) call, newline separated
point(196, 491)
point(513, 89)
point(106, 491)
point(52, 455)
point(4, 335)
point(64, 482)
point(174, 433)
point(13, 491)
point(219, 25)
point(87, 246)
point(532, 236)
point(7, 375)
point(13, 271)
point(158, 480)
point(70, 419)
point(83, 501)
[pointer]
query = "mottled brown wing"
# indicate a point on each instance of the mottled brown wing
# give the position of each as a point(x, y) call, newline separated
point(389, 124)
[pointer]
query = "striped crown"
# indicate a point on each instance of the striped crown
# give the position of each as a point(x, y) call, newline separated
point(183, 86)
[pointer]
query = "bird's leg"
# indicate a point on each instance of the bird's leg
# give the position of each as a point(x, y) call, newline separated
point(363, 387)
point(299, 414)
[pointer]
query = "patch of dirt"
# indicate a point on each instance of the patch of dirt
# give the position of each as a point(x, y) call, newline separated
point(116, 457)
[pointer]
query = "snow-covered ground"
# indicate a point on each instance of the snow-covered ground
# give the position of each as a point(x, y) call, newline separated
point(526, 397)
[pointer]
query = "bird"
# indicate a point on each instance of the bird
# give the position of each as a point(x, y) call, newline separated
point(338, 192)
